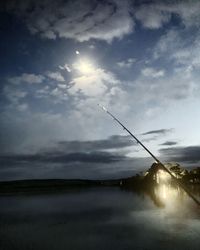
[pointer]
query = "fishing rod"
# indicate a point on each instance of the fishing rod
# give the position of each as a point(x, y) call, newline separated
point(152, 155)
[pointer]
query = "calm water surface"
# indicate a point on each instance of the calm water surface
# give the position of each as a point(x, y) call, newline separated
point(100, 218)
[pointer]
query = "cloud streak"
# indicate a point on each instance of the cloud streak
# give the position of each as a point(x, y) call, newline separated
point(75, 159)
point(151, 72)
point(185, 155)
point(26, 78)
point(112, 142)
point(77, 151)
point(64, 158)
point(168, 143)
point(126, 63)
point(158, 132)
point(55, 76)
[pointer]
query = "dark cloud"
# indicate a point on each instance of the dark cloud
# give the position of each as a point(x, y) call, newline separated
point(74, 170)
point(74, 151)
point(168, 143)
point(154, 14)
point(79, 20)
point(159, 131)
point(152, 138)
point(96, 157)
point(188, 155)
point(95, 19)
point(113, 142)
point(75, 159)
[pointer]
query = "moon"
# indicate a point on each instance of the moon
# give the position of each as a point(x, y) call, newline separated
point(85, 66)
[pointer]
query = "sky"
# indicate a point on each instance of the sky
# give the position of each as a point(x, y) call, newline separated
point(59, 59)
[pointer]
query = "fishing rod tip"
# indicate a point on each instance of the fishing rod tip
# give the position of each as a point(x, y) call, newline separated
point(102, 107)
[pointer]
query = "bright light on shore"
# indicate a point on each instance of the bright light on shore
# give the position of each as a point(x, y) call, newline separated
point(163, 175)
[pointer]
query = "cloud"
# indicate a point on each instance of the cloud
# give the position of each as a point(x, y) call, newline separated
point(14, 90)
point(22, 107)
point(93, 159)
point(154, 14)
point(188, 11)
point(55, 76)
point(26, 78)
point(40, 126)
point(95, 83)
point(13, 94)
point(90, 157)
point(28, 133)
point(92, 46)
point(42, 92)
point(151, 72)
point(126, 63)
point(181, 47)
point(59, 94)
point(110, 168)
point(75, 151)
point(150, 139)
point(157, 92)
point(62, 86)
point(168, 143)
point(159, 131)
point(112, 142)
point(107, 20)
point(79, 20)
point(65, 67)
point(151, 16)
point(177, 45)
point(185, 155)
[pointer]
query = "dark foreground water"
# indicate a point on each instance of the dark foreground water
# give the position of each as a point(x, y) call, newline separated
point(100, 218)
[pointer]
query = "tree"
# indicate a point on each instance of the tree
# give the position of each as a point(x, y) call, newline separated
point(176, 169)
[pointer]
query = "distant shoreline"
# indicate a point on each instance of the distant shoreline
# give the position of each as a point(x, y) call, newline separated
point(55, 185)
point(40, 185)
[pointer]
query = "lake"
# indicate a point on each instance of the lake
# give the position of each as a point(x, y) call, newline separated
point(100, 218)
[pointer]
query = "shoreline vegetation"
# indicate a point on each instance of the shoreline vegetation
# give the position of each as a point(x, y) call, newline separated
point(142, 181)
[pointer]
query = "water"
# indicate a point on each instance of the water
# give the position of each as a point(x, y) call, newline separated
point(100, 218)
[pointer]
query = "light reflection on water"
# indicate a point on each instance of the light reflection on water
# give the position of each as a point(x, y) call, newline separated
point(169, 196)
point(163, 217)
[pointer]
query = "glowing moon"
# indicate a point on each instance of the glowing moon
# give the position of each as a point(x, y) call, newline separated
point(85, 67)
